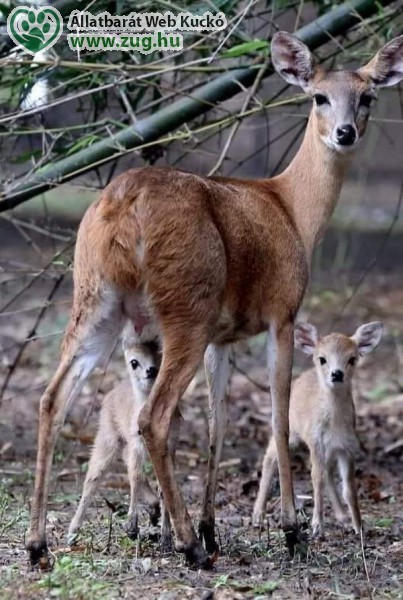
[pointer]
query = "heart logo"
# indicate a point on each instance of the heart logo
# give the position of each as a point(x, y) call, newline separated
point(34, 29)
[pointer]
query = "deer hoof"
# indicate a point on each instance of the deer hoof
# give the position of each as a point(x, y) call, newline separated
point(39, 555)
point(166, 544)
point(297, 542)
point(154, 512)
point(132, 530)
point(207, 535)
point(196, 556)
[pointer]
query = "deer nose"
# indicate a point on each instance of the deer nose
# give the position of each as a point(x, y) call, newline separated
point(346, 135)
point(152, 372)
point(337, 375)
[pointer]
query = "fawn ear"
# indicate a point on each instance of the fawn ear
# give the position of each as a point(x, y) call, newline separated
point(129, 337)
point(305, 337)
point(368, 336)
point(292, 59)
point(386, 67)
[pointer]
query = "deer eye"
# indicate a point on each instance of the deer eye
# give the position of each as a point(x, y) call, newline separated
point(322, 360)
point(134, 364)
point(321, 99)
point(352, 361)
point(366, 100)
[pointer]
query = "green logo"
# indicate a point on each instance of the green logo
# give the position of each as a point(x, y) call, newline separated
point(35, 29)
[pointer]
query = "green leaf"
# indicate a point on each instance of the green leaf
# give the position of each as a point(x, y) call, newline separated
point(384, 522)
point(246, 48)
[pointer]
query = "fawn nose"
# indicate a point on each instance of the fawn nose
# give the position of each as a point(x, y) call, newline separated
point(152, 372)
point(346, 135)
point(337, 376)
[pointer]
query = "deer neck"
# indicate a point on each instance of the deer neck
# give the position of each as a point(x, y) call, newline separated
point(310, 186)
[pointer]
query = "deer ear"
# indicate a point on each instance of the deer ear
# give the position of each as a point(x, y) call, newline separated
point(386, 67)
point(305, 337)
point(368, 336)
point(292, 59)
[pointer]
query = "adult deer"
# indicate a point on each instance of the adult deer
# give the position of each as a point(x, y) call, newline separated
point(207, 262)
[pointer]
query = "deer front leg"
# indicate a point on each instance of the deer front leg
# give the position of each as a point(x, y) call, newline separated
point(280, 351)
point(216, 361)
point(268, 472)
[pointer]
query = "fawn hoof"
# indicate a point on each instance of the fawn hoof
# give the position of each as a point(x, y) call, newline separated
point(207, 535)
point(38, 554)
point(196, 556)
point(297, 541)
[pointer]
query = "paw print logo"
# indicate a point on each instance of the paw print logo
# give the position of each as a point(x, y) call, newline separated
point(34, 29)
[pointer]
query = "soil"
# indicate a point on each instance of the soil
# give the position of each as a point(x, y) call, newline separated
point(252, 563)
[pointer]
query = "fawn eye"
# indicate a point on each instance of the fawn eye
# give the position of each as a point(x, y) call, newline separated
point(366, 100)
point(352, 361)
point(134, 364)
point(321, 99)
point(322, 360)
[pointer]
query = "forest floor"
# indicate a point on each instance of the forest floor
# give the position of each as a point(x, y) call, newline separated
point(252, 563)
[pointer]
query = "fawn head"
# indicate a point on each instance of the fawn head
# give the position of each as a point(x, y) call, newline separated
point(143, 359)
point(335, 355)
point(342, 99)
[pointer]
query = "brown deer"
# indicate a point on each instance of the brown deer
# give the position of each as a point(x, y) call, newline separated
point(208, 261)
point(322, 415)
point(118, 433)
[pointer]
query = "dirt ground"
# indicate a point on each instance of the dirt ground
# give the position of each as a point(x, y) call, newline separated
point(252, 563)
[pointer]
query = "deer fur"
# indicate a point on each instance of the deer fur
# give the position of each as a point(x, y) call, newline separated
point(322, 415)
point(207, 262)
point(118, 433)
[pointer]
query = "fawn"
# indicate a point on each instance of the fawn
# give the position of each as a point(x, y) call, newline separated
point(118, 431)
point(208, 261)
point(322, 416)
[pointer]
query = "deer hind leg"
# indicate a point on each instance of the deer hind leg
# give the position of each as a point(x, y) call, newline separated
point(105, 450)
point(268, 472)
point(183, 350)
point(89, 340)
point(347, 472)
point(166, 533)
point(281, 347)
point(216, 362)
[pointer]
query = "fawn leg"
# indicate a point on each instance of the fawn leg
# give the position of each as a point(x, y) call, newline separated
point(334, 495)
point(216, 361)
point(138, 483)
point(318, 481)
point(268, 472)
point(347, 472)
point(103, 453)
